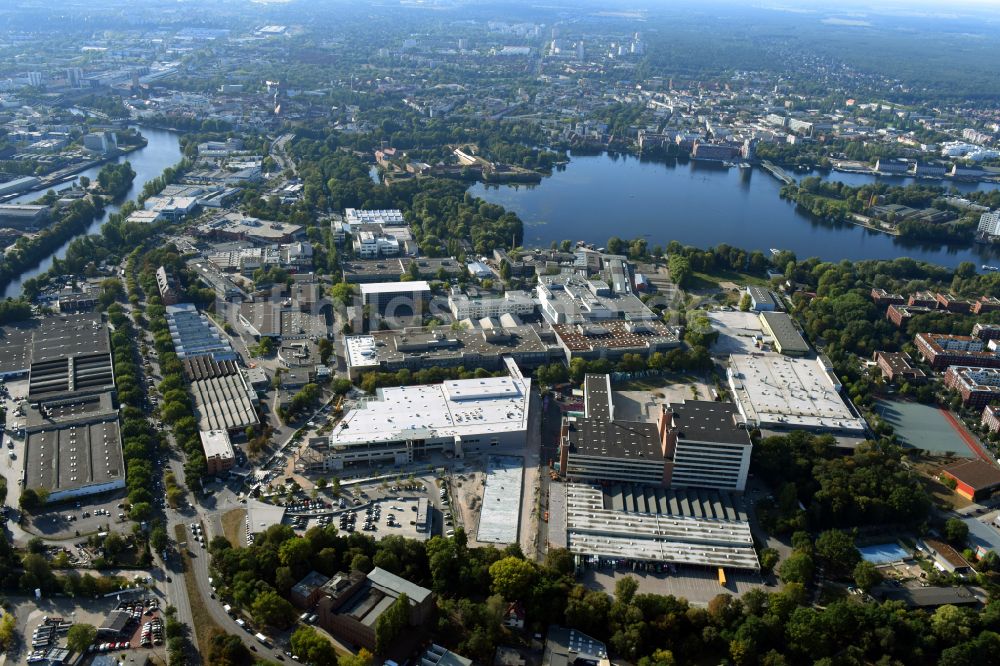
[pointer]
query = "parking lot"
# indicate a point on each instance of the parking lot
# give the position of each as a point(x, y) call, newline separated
point(697, 585)
point(382, 518)
point(736, 332)
point(371, 508)
point(90, 515)
point(32, 614)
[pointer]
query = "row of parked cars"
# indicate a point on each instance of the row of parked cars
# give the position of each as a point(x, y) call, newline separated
point(152, 633)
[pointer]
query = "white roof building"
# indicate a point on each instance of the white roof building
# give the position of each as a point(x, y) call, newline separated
point(778, 392)
point(453, 417)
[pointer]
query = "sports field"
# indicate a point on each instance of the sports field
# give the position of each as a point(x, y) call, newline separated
point(924, 427)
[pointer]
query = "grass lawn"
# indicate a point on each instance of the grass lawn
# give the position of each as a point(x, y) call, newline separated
point(710, 280)
point(655, 383)
point(234, 524)
point(204, 626)
point(941, 494)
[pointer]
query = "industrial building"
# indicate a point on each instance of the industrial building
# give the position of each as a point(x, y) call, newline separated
point(283, 319)
point(73, 447)
point(416, 348)
point(23, 216)
point(612, 339)
point(781, 328)
point(779, 393)
point(642, 524)
point(762, 300)
point(70, 357)
point(404, 423)
point(218, 449)
point(388, 217)
point(15, 349)
point(709, 445)
point(194, 335)
point(224, 402)
point(234, 226)
point(977, 386)
point(941, 350)
point(396, 299)
point(18, 185)
point(693, 443)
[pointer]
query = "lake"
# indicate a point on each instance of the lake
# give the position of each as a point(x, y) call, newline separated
point(163, 150)
point(701, 204)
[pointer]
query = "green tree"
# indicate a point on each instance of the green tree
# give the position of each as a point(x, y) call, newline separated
point(33, 499)
point(268, 608)
point(313, 648)
point(797, 568)
point(836, 550)
point(866, 575)
point(956, 532)
point(8, 630)
point(80, 637)
point(158, 538)
point(745, 303)
point(362, 658)
point(951, 624)
point(391, 624)
point(512, 577)
point(228, 650)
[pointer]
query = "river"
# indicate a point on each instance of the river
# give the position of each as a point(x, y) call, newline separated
point(701, 204)
point(162, 150)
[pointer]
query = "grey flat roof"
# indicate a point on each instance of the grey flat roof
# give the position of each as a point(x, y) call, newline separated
point(597, 435)
point(501, 512)
point(785, 333)
point(63, 336)
point(397, 585)
point(707, 421)
point(74, 456)
point(931, 596)
point(442, 343)
point(15, 348)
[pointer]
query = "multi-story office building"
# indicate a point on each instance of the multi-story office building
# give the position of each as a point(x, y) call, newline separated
point(692, 444)
point(478, 306)
point(989, 224)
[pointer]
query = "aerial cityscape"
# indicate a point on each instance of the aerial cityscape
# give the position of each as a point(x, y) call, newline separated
point(441, 333)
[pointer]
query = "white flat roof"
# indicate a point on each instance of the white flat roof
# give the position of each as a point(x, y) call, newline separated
point(395, 287)
point(360, 351)
point(216, 443)
point(461, 408)
point(501, 512)
point(773, 390)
